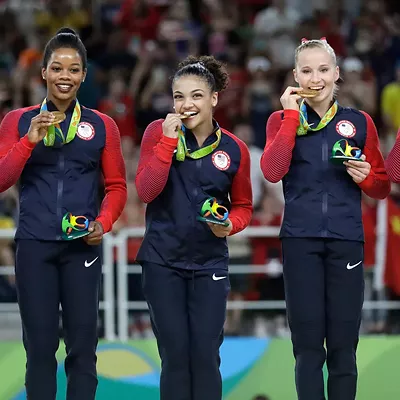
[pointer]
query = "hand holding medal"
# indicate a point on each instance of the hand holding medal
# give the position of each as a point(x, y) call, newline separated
point(96, 233)
point(39, 125)
point(171, 125)
point(358, 170)
point(291, 95)
point(54, 135)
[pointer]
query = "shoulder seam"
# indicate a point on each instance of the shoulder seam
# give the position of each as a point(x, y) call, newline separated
point(238, 141)
point(21, 111)
point(27, 109)
point(352, 110)
point(98, 113)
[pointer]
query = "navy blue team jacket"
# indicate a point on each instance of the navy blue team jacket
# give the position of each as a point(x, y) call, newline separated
point(175, 192)
point(321, 199)
point(55, 180)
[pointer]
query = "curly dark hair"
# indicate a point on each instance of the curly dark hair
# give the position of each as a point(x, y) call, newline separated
point(206, 67)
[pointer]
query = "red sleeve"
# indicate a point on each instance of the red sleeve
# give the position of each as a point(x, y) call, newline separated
point(281, 138)
point(14, 152)
point(376, 185)
point(241, 193)
point(155, 161)
point(113, 168)
point(393, 161)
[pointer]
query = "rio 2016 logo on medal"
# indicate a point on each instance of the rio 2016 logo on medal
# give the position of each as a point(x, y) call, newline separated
point(213, 212)
point(342, 151)
point(74, 227)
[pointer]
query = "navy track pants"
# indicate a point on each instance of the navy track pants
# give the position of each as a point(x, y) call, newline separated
point(324, 287)
point(187, 310)
point(49, 274)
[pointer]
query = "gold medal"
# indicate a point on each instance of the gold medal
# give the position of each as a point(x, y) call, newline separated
point(58, 116)
point(187, 114)
point(307, 93)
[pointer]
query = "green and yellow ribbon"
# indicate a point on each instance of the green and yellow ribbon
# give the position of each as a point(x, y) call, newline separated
point(182, 151)
point(54, 132)
point(304, 126)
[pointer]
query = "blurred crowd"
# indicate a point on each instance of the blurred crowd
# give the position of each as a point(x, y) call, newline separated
point(133, 47)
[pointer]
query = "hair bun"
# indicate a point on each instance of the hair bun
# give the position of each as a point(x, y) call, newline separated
point(66, 30)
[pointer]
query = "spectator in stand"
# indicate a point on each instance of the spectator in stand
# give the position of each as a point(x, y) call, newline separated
point(139, 20)
point(390, 104)
point(120, 106)
point(356, 92)
point(260, 99)
point(59, 13)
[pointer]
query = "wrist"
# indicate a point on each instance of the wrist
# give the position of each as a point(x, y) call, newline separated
point(291, 113)
point(32, 140)
point(171, 136)
point(28, 142)
point(168, 144)
point(100, 225)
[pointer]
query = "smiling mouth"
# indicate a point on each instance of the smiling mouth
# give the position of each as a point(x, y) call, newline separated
point(64, 88)
point(188, 114)
point(317, 88)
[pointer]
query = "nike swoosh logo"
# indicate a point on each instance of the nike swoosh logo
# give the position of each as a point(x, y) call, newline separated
point(88, 264)
point(218, 278)
point(349, 266)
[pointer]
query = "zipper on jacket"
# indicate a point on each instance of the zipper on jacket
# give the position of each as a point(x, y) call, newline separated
point(60, 189)
point(195, 192)
point(325, 189)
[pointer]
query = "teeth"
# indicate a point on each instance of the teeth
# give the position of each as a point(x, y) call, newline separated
point(64, 87)
point(316, 87)
point(190, 113)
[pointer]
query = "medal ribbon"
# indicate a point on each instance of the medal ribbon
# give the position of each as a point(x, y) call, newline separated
point(54, 132)
point(304, 127)
point(183, 152)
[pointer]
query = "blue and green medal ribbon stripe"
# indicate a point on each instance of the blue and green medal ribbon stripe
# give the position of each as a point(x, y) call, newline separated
point(55, 133)
point(304, 126)
point(182, 151)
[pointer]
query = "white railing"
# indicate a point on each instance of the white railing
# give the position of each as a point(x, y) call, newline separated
point(124, 269)
point(117, 303)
